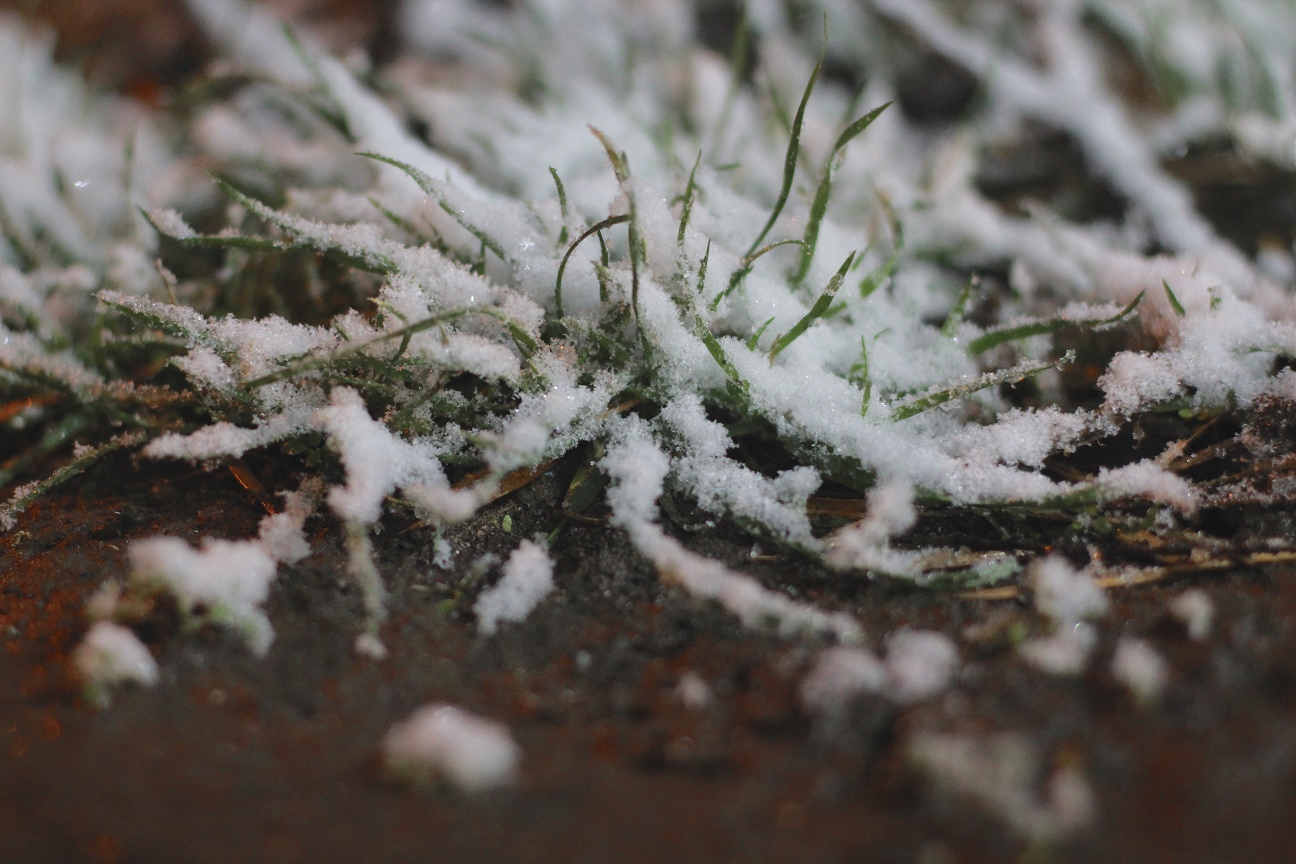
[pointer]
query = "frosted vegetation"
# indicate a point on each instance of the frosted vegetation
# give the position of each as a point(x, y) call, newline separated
point(744, 283)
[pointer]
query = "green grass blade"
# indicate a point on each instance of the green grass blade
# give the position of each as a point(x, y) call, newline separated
point(995, 338)
point(23, 496)
point(859, 375)
point(363, 258)
point(687, 210)
point(621, 168)
point(816, 311)
point(874, 279)
point(585, 235)
point(745, 267)
point(955, 316)
point(918, 404)
point(754, 339)
point(1174, 301)
point(562, 205)
point(820, 204)
point(425, 183)
point(790, 159)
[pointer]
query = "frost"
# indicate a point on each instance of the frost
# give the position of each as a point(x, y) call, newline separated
point(528, 578)
point(444, 742)
point(172, 224)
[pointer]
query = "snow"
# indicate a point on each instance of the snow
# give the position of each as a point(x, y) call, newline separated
point(637, 469)
point(1196, 610)
point(1064, 594)
point(222, 580)
point(919, 665)
point(111, 655)
point(528, 579)
point(1066, 652)
point(693, 692)
point(471, 753)
point(1000, 772)
point(1138, 666)
point(1148, 480)
point(839, 675)
point(377, 461)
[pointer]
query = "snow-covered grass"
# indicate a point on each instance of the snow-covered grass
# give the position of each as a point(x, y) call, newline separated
point(748, 288)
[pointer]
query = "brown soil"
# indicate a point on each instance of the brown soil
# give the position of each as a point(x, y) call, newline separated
point(235, 759)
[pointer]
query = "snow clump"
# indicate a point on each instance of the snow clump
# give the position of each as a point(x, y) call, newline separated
point(1067, 597)
point(443, 742)
point(528, 579)
point(111, 655)
point(1138, 666)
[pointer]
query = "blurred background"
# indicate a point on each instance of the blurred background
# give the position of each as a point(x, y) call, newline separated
point(139, 46)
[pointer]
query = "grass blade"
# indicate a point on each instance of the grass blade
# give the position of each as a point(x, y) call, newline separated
point(687, 210)
point(995, 338)
point(816, 311)
point(425, 183)
point(562, 205)
point(790, 159)
point(1174, 301)
point(918, 404)
point(820, 205)
point(955, 316)
point(745, 267)
point(586, 234)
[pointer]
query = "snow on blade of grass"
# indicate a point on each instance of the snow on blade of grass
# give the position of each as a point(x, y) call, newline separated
point(638, 469)
point(443, 742)
point(1149, 480)
point(376, 460)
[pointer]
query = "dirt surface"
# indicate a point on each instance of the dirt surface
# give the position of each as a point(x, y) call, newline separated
point(235, 759)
